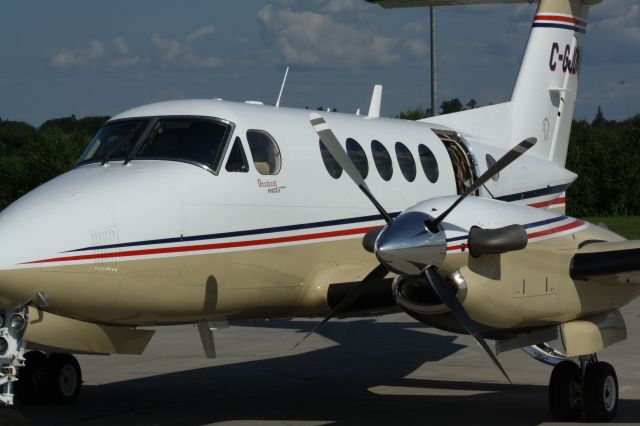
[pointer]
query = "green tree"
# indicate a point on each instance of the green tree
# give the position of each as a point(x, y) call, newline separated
point(415, 113)
point(453, 105)
point(599, 120)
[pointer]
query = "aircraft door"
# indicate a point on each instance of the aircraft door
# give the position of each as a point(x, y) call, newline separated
point(464, 166)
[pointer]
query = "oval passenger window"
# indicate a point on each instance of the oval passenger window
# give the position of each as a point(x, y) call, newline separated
point(406, 162)
point(382, 160)
point(429, 163)
point(358, 156)
point(333, 168)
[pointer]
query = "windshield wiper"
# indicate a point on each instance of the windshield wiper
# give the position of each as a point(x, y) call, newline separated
point(124, 141)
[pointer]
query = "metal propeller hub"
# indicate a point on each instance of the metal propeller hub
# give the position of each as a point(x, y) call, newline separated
point(406, 246)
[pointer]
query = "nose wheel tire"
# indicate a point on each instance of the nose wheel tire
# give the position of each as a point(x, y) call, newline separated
point(565, 391)
point(600, 392)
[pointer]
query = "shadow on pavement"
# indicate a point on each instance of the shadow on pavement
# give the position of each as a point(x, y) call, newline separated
point(361, 381)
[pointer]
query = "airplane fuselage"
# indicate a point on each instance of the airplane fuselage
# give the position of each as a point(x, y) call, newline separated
point(161, 241)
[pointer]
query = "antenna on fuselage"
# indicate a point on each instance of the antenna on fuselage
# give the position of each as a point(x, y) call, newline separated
point(284, 80)
point(376, 101)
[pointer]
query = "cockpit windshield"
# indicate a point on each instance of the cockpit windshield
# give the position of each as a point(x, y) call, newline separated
point(187, 139)
point(197, 140)
point(113, 141)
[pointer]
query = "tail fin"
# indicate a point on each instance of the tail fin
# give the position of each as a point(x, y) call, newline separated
point(545, 92)
point(544, 95)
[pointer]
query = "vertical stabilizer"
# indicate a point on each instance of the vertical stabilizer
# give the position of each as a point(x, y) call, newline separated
point(545, 92)
point(376, 101)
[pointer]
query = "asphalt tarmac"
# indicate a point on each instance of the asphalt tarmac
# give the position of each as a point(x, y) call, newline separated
point(386, 371)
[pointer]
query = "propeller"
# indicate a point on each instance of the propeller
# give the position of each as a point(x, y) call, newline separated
point(358, 291)
point(448, 297)
point(404, 245)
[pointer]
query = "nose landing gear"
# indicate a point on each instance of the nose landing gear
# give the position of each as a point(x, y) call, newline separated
point(54, 378)
point(591, 388)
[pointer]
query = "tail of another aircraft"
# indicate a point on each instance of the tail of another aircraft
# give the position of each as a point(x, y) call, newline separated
point(543, 99)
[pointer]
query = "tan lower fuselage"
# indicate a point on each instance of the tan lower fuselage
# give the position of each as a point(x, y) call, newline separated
point(516, 290)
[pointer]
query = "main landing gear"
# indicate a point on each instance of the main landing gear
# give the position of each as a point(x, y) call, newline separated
point(590, 388)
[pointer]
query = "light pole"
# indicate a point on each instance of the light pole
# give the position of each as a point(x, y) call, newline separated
point(434, 65)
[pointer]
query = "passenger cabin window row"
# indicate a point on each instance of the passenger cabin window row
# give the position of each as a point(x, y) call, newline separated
point(198, 140)
point(382, 160)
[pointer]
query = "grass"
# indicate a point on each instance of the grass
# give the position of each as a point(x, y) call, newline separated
point(627, 226)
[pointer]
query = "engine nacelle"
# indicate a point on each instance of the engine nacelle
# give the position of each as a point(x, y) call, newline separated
point(414, 294)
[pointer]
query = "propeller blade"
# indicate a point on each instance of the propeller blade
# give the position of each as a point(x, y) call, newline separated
point(502, 163)
point(331, 142)
point(362, 288)
point(448, 297)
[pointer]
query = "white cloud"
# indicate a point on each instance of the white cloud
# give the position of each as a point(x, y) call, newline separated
point(332, 7)
point(95, 54)
point(319, 39)
point(200, 33)
point(70, 58)
point(415, 27)
point(417, 47)
point(125, 57)
point(619, 19)
point(173, 53)
point(344, 6)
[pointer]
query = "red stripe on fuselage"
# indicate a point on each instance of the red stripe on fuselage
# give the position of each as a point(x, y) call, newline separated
point(201, 247)
point(557, 201)
point(566, 227)
point(561, 19)
point(543, 233)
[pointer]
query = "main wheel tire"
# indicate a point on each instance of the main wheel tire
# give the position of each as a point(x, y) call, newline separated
point(600, 392)
point(64, 379)
point(563, 386)
point(31, 385)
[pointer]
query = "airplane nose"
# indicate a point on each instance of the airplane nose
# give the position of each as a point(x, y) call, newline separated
point(17, 280)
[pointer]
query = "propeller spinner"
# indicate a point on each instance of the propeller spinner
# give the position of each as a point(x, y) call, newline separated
point(413, 243)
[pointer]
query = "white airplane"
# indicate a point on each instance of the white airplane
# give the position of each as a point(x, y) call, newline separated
point(205, 210)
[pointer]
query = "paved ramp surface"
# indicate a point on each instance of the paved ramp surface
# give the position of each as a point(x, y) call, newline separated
point(386, 371)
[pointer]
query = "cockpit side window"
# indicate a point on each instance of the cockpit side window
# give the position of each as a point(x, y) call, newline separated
point(237, 161)
point(197, 140)
point(113, 141)
point(265, 152)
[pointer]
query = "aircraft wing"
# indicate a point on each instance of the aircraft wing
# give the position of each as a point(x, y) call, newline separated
point(608, 263)
point(390, 4)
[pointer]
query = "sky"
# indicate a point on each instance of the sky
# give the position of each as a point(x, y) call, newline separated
point(102, 57)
